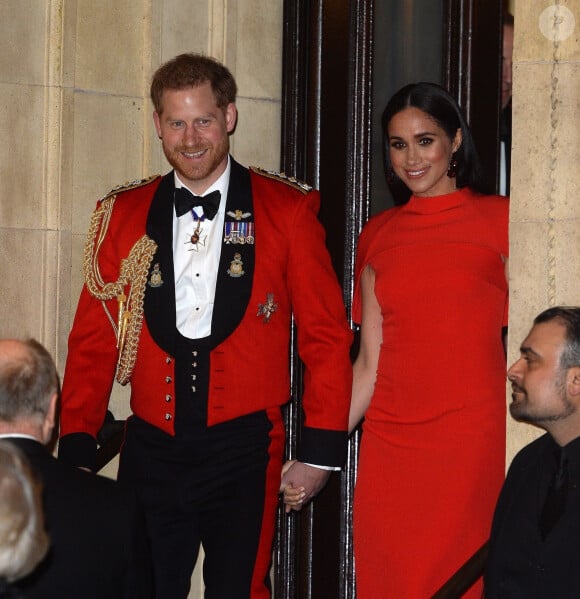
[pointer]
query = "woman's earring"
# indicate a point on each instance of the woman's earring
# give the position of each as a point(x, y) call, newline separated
point(452, 170)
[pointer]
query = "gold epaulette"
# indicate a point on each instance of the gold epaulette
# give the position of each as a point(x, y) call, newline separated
point(284, 178)
point(128, 289)
point(130, 185)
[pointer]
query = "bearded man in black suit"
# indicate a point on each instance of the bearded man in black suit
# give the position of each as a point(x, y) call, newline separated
point(98, 541)
point(535, 536)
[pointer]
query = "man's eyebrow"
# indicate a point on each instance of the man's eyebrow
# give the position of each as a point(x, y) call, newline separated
point(526, 350)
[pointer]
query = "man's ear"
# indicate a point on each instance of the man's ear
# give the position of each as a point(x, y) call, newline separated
point(157, 123)
point(231, 116)
point(49, 419)
point(573, 382)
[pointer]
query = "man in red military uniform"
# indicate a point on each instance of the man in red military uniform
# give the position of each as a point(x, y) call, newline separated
point(190, 299)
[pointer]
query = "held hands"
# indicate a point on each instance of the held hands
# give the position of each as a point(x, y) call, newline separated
point(300, 483)
point(293, 497)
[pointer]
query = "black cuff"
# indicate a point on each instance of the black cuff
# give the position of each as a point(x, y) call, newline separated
point(322, 447)
point(78, 449)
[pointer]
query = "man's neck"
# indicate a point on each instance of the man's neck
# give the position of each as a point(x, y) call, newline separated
point(21, 430)
point(563, 431)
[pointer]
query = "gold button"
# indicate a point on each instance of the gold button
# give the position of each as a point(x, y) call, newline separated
point(167, 416)
point(168, 360)
point(194, 364)
point(167, 379)
point(193, 388)
point(168, 398)
point(194, 353)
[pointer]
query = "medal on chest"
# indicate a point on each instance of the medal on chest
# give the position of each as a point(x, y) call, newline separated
point(198, 237)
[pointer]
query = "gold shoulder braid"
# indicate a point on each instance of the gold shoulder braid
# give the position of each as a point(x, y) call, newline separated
point(130, 185)
point(292, 181)
point(129, 288)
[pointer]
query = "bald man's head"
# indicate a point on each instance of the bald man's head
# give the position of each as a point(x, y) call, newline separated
point(28, 385)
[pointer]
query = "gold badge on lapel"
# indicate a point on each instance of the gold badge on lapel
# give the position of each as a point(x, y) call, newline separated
point(155, 280)
point(236, 268)
point(266, 310)
point(238, 214)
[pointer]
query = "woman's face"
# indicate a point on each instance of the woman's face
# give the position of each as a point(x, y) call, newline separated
point(420, 152)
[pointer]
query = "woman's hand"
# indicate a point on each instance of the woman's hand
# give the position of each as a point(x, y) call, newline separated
point(293, 497)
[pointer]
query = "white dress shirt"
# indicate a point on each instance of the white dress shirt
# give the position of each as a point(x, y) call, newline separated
point(196, 266)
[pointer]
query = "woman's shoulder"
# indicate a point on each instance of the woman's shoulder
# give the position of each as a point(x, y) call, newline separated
point(490, 201)
point(379, 220)
point(375, 224)
point(374, 227)
point(489, 207)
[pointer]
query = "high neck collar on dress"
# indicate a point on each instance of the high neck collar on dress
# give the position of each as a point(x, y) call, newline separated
point(434, 204)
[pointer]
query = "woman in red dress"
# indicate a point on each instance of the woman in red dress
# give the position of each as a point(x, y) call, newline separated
point(429, 380)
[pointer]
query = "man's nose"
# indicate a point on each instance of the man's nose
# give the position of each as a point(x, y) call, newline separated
point(190, 135)
point(514, 371)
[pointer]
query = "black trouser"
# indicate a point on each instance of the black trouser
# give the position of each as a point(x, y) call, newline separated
point(208, 489)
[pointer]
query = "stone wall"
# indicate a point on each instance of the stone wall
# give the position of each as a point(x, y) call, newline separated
point(545, 207)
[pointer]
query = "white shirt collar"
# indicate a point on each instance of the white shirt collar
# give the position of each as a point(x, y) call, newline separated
point(18, 436)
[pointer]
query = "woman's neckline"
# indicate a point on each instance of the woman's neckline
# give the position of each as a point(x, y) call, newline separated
point(440, 203)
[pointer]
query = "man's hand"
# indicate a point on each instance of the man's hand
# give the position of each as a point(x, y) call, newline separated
point(303, 483)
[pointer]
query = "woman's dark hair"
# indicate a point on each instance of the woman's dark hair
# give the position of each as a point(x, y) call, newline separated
point(434, 101)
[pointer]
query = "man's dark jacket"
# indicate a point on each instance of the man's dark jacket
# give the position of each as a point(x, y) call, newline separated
point(98, 545)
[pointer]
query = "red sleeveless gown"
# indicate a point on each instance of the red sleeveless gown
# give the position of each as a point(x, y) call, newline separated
point(432, 454)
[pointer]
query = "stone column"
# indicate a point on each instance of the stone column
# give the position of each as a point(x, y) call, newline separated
point(545, 207)
point(35, 243)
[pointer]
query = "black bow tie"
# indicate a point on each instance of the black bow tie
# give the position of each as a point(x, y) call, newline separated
point(185, 201)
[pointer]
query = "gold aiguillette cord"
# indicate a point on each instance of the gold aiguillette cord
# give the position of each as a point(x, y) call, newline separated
point(122, 322)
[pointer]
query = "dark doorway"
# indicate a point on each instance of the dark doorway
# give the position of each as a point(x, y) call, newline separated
point(407, 47)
